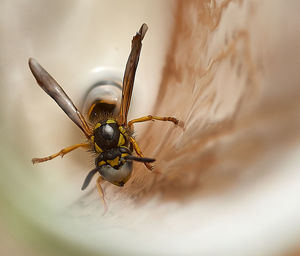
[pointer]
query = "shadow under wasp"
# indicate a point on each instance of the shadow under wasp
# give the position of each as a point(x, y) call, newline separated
point(111, 136)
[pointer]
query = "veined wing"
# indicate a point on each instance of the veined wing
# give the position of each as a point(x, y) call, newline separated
point(53, 89)
point(129, 74)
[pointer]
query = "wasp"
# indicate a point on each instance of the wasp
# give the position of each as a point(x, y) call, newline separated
point(108, 135)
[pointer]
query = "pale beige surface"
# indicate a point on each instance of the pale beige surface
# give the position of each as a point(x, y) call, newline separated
point(230, 181)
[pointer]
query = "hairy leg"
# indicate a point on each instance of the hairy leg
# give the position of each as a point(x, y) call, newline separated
point(150, 117)
point(60, 153)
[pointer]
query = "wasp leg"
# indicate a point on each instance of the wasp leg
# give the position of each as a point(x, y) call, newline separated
point(139, 152)
point(101, 193)
point(149, 118)
point(60, 153)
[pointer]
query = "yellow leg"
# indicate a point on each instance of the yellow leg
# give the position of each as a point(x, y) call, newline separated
point(100, 191)
point(60, 153)
point(139, 152)
point(149, 117)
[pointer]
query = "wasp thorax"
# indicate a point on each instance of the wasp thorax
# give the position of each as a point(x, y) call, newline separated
point(107, 135)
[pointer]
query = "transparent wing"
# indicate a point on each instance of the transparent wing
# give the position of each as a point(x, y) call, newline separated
point(53, 89)
point(129, 74)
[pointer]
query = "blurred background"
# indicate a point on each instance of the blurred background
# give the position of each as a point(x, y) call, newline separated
point(229, 181)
